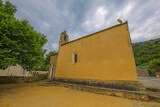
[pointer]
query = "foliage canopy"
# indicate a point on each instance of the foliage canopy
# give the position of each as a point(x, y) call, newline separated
point(19, 42)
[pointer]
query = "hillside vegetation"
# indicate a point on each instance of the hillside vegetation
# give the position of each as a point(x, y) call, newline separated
point(146, 52)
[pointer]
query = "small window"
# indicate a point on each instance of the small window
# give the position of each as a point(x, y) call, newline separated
point(74, 58)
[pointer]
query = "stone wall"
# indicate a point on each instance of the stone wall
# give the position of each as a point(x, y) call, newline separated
point(158, 74)
point(21, 79)
point(135, 95)
point(122, 85)
point(142, 71)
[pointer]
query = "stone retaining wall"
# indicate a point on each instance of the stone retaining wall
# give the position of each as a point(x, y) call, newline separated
point(122, 85)
point(135, 95)
point(21, 79)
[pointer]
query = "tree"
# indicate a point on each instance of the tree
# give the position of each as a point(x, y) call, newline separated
point(19, 42)
point(9, 8)
point(155, 64)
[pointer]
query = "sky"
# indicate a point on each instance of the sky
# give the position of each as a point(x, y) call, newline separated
point(82, 17)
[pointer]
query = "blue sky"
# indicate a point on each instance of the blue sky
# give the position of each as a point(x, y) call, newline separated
point(83, 17)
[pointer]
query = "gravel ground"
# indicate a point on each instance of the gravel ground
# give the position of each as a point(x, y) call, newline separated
point(150, 82)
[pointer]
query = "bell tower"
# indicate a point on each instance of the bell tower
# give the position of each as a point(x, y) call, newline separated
point(63, 38)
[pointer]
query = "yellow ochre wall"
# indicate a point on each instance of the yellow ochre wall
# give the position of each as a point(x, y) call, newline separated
point(53, 60)
point(104, 55)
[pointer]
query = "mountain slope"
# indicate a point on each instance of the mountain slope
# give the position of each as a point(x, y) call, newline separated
point(146, 51)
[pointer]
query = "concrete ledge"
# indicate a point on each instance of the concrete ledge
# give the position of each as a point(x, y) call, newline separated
point(135, 95)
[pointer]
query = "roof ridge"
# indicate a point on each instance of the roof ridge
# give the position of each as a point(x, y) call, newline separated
point(96, 32)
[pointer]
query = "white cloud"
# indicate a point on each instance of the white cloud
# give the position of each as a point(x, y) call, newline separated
point(126, 11)
point(80, 18)
point(55, 46)
point(97, 20)
point(46, 25)
point(74, 35)
point(51, 46)
point(149, 29)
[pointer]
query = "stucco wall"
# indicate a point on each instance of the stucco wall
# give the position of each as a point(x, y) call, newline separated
point(53, 59)
point(52, 63)
point(16, 70)
point(105, 55)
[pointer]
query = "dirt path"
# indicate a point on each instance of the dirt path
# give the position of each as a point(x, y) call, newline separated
point(54, 96)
